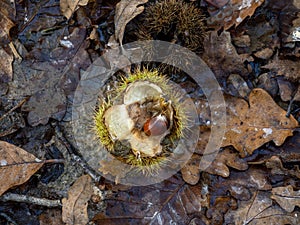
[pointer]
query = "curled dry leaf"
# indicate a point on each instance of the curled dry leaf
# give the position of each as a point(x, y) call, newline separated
point(251, 126)
point(288, 68)
point(259, 210)
point(68, 7)
point(126, 10)
point(6, 19)
point(233, 13)
point(16, 166)
point(286, 197)
point(74, 210)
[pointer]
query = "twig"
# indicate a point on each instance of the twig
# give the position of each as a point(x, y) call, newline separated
point(74, 154)
point(30, 199)
point(14, 51)
point(14, 108)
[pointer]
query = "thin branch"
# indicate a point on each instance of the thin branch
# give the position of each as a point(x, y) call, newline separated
point(14, 108)
point(30, 199)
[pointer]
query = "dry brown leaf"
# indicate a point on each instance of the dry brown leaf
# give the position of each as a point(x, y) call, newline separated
point(51, 217)
point(68, 7)
point(6, 19)
point(16, 166)
point(74, 210)
point(251, 126)
point(190, 172)
point(288, 68)
point(259, 210)
point(275, 164)
point(6, 71)
point(233, 13)
point(225, 159)
point(286, 197)
point(126, 10)
point(221, 55)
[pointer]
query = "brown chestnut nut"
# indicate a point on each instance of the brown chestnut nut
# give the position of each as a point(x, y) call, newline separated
point(156, 125)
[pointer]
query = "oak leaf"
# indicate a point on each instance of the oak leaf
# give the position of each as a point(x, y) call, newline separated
point(74, 210)
point(126, 10)
point(288, 68)
point(68, 7)
point(16, 166)
point(251, 126)
point(286, 197)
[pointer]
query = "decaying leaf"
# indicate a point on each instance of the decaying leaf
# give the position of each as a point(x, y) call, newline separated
point(275, 164)
point(250, 126)
point(190, 172)
point(6, 19)
point(6, 71)
point(286, 197)
point(51, 217)
point(221, 55)
point(170, 200)
point(259, 210)
point(68, 7)
point(233, 13)
point(288, 68)
point(225, 159)
point(126, 10)
point(74, 210)
point(16, 166)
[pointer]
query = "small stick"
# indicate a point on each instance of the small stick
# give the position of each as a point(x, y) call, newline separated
point(14, 51)
point(14, 108)
point(30, 199)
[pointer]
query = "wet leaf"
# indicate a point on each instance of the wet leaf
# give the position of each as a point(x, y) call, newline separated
point(190, 172)
point(68, 7)
point(288, 68)
point(126, 10)
point(221, 56)
point(225, 159)
point(7, 14)
point(74, 210)
point(171, 200)
point(6, 71)
point(251, 126)
point(286, 197)
point(275, 164)
point(259, 210)
point(16, 166)
point(233, 13)
point(51, 217)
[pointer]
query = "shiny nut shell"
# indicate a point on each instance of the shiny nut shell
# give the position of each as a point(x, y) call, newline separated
point(156, 126)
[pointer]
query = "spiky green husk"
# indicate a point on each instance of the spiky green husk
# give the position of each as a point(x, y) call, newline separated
point(146, 165)
point(100, 127)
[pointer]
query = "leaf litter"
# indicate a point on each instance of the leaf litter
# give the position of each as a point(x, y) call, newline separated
point(252, 181)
